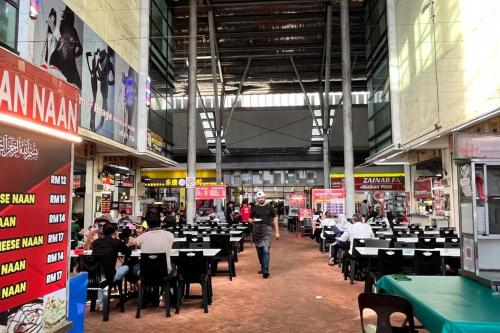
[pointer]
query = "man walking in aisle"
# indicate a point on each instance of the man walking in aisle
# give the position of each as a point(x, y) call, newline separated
point(263, 216)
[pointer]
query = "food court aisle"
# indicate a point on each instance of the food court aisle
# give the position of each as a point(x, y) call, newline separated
point(303, 294)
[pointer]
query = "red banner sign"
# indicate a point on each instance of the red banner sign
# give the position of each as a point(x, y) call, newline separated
point(29, 93)
point(34, 215)
point(298, 199)
point(372, 183)
point(327, 195)
point(210, 192)
point(305, 213)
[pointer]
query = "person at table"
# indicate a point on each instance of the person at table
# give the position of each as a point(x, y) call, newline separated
point(170, 221)
point(359, 229)
point(327, 221)
point(96, 231)
point(163, 216)
point(109, 247)
point(155, 240)
point(263, 216)
point(124, 219)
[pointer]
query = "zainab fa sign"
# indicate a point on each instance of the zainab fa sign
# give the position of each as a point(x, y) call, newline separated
point(373, 183)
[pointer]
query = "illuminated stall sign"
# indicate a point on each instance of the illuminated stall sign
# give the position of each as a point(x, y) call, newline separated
point(35, 194)
point(297, 200)
point(372, 183)
point(177, 182)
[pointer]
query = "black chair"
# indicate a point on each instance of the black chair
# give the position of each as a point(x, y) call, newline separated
point(384, 306)
point(154, 274)
point(349, 262)
point(196, 243)
point(426, 243)
point(223, 242)
point(382, 243)
point(193, 268)
point(389, 261)
point(413, 227)
point(398, 233)
point(452, 243)
point(427, 262)
point(306, 227)
point(447, 233)
point(429, 228)
point(97, 280)
point(404, 245)
point(326, 239)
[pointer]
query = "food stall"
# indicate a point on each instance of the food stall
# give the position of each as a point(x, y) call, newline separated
point(38, 125)
point(478, 166)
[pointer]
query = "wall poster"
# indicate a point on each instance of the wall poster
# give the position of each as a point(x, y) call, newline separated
point(71, 50)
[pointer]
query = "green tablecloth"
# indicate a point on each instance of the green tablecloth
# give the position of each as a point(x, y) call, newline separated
point(448, 304)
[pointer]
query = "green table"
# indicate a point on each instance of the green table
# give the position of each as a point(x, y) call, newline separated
point(447, 304)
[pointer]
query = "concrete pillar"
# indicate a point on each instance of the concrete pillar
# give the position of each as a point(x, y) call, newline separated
point(192, 113)
point(326, 103)
point(347, 107)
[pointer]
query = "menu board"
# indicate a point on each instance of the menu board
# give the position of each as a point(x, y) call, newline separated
point(35, 185)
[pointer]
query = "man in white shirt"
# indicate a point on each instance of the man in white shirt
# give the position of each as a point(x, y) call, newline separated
point(359, 229)
point(327, 221)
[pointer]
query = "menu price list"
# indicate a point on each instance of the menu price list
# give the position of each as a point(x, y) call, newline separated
point(34, 209)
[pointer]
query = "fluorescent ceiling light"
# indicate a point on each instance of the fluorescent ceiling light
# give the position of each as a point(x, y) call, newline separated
point(39, 128)
point(392, 163)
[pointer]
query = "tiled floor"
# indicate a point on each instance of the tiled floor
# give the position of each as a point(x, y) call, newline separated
point(303, 294)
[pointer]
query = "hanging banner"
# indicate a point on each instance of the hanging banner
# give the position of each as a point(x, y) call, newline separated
point(210, 192)
point(422, 188)
point(297, 200)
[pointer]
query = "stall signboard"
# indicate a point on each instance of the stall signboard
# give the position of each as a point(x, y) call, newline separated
point(155, 143)
point(383, 183)
point(177, 182)
point(210, 192)
point(423, 188)
point(29, 95)
point(327, 195)
point(476, 145)
point(297, 200)
point(332, 199)
point(35, 194)
point(305, 213)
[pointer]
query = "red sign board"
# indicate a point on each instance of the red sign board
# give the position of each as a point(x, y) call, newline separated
point(327, 195)
point(29, 93)
point(305, 213)
point(210, 192)
point(372, 183)
point(298, 199)
point(423, 188)
point(34, 216)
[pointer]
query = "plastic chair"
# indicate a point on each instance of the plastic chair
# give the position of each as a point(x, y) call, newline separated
point(384, 306)
point(154, 274)
point(426, 243)
point(427, 262)
point(447, 233)
point(223, 242)
point(353, 259)
point(97, 280)
point(452, 243)
point(382, 243)
point(306, 227)
point(404, 245)
point(389, 261)
point(193, 268)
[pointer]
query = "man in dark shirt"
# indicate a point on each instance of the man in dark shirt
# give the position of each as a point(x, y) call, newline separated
point(109, 246)
point(263, 216)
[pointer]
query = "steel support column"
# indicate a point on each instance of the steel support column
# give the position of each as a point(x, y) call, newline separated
point(326, 96)
point(192, 113)
point(347, 107)
point(218, 139)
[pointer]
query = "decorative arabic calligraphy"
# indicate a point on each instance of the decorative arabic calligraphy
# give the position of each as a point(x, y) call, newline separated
point(18, 148)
